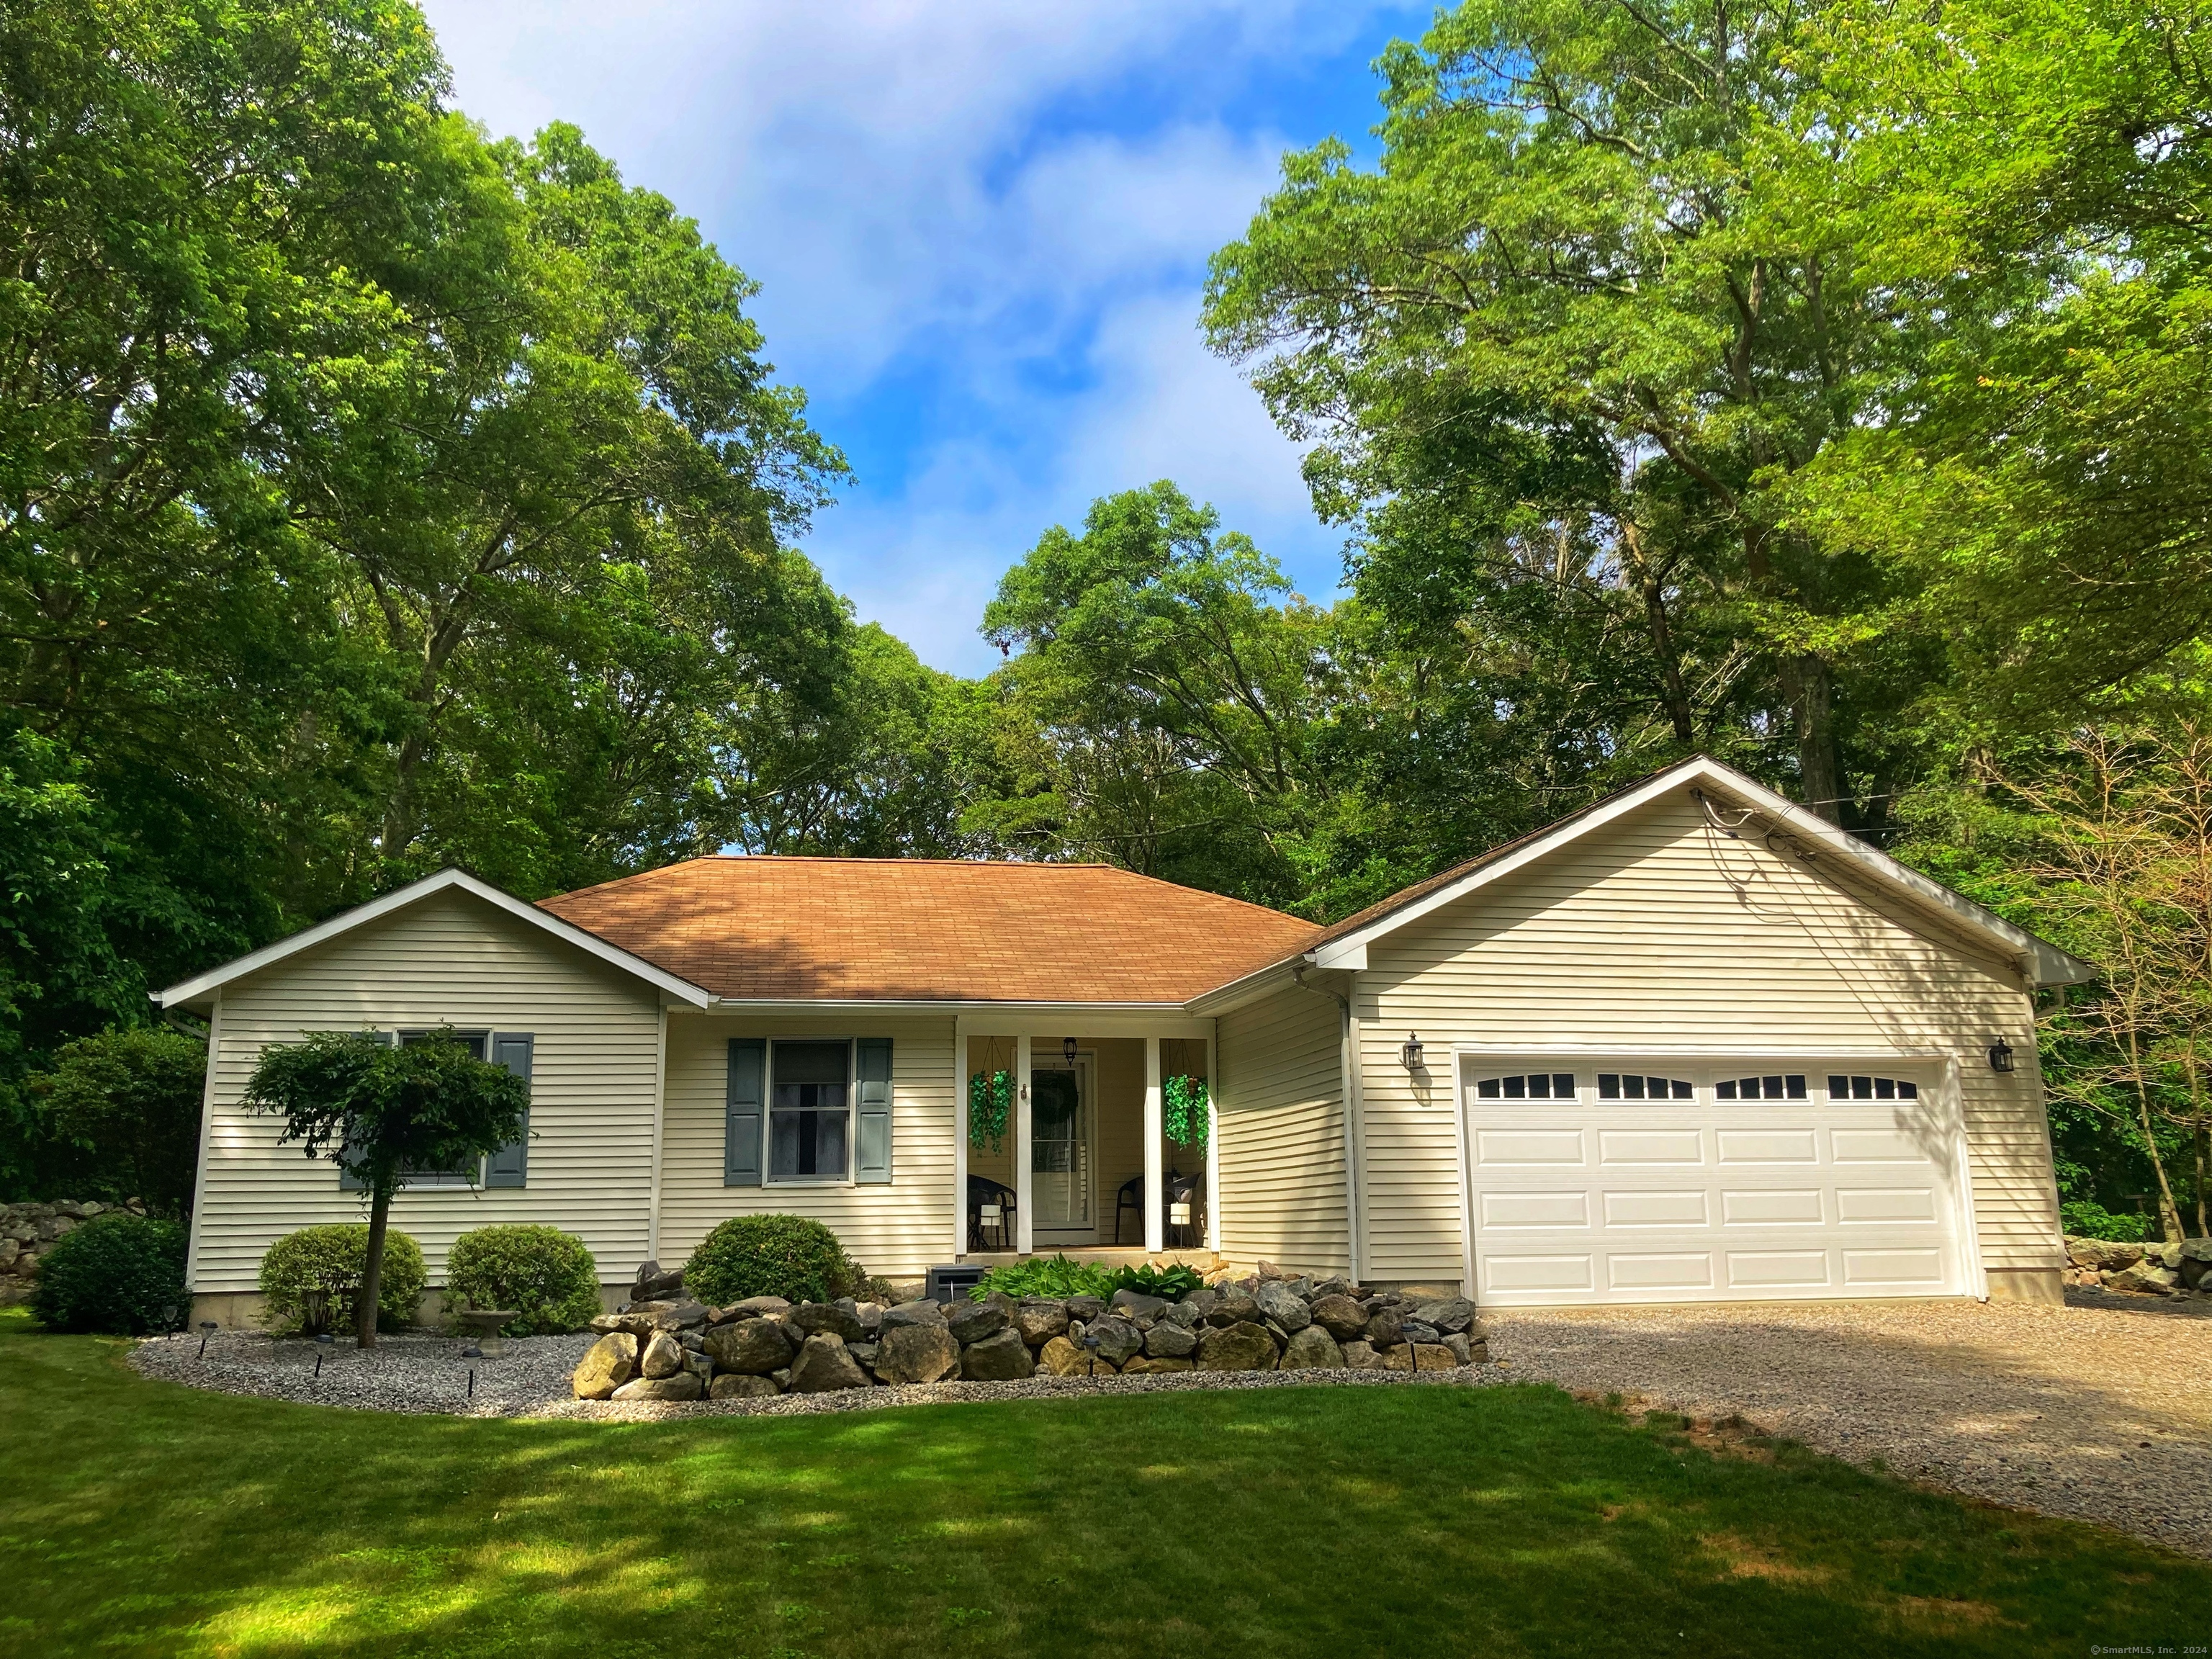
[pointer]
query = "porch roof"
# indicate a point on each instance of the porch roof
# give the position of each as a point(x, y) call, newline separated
point(909, 930)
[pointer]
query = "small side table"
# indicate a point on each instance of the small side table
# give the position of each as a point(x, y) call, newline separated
point(483, 1324)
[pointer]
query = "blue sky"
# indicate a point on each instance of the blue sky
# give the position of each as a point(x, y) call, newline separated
point(980, 230)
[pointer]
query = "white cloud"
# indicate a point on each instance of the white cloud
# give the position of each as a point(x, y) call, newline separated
point(980, 265)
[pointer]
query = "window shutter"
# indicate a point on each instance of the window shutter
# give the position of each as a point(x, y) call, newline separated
point(873, 1069)
point(510, 1166)
point(741, 1123)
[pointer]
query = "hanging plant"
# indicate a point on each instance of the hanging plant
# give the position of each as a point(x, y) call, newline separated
point(990, 1108)
point(1182, 1110)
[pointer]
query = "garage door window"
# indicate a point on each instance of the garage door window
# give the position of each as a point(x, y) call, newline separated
point(1623, 1085)
point(1789, 1085)
point(1871, 1088)
point(1527, 1085)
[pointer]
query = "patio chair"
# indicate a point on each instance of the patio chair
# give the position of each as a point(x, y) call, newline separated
point(982, 1192)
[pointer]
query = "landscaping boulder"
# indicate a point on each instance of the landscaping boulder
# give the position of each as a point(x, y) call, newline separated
point(753, 1307)
point(1182, 1313)
point(1040, 1319)
point(1284, 1306)
point(1085, 1308)
point(663, 1355)
point(1455, 1313)
point(864, 1353)
point(1360, 1355)
point(743, 1388)
point(1114, 1340)
point(1137, 1306)
point(1463, 1350)
point(915, 1352)
point(1433, 1356)
point(825, 1365)
point(1416, 1330)
point(1312, 1349)
point(1141, 1365)
point(1382, 1328)
point(1168, 1341)
point(2146, 1278)
point(971, 1322)
point(1063, 1358)
point(1236, 1308)
point(607, 1364)
point(1339, 1315)
point(683, 1385)
point(1200, 1302)
point(1001, 1356)
point(817, 1318)
point(1239, 1347)
point(655, 1286)
point(752, 1347)
point(1398, 1356)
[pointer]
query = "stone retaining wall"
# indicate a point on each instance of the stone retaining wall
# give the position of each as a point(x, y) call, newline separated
point(670, 1348)
point(2145, 1269)
point(27, 1231)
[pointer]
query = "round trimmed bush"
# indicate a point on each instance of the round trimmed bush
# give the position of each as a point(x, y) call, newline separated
point(124, 1274)
point(331, 1258)
point(785, 1255)
point(545, 1275)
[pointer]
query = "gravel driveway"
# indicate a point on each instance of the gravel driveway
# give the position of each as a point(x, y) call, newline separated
point(2100, 1410)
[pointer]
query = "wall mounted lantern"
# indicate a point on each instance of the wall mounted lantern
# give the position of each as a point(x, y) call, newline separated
point(1067, 1051)
point(1411, 1052)
point(2000, 1055)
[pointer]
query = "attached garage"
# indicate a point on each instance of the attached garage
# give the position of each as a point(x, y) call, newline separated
point(1603, 1180)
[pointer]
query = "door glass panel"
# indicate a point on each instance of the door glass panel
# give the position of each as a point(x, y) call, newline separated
point(1060, 1150)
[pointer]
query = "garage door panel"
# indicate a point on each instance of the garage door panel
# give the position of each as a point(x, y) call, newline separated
point(1563, 1271)
point(1878, 1146)
point(1569, 1209)
point(1777, 1270)
point(1631, 1146)
point(1687, 1270)
point(1783, 1206)
point(1892, 1269)
point(1527, 1146)
point(1682, 1207)
point(1886, 1204)
point(1768, 1146)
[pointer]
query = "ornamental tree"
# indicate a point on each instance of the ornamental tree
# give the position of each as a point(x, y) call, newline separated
point(380, 1111)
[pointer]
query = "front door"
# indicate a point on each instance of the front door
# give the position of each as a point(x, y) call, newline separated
point(1061, 1160)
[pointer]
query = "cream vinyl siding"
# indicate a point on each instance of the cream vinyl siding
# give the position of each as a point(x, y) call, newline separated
point(450, 960)
point(1280, 1108)
point(1656, 935)
point(899, 1230)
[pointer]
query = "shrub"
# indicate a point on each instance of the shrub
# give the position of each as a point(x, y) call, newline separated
point(119, 1273)
point(1170, 1283)
point(331, 1258)
point(545, 1275)
point(785, 1255)
point(1050, 1276)
point(2086, 1219)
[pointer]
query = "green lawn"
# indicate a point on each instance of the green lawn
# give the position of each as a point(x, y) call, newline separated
point(136, 1518)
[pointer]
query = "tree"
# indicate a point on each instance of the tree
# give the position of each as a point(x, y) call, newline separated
point(1573, 323)
point(380, 1111)
point(132, 1100)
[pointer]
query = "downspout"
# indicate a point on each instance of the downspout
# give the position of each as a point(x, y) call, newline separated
point(1348, 1086)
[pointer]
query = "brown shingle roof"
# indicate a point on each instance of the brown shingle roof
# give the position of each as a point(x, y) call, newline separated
point(923, 929)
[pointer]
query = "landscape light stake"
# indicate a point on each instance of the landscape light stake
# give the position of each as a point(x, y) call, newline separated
point(208, 1329)
point(324, 1344)
point(169, 1322)
point(472, 1353)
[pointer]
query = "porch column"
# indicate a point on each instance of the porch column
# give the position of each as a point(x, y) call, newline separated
point(1022, 1159)
point(1156, 1208)
point(1212, 1148)
point(959, 1139)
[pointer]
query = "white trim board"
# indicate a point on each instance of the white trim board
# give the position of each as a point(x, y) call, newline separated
point(2040, 963)
point(199, 987)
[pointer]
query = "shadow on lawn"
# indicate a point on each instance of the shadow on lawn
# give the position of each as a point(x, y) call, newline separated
point(152, 1518)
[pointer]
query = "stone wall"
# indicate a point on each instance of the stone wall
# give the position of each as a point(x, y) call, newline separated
point(27, 1231)
point(2145, 1269)
point(672, 1348)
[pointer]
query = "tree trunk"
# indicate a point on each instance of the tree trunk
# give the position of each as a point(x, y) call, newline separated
point(1811, 689)
point(2169, 1212)
point(371, 1268)
point(1675, 695)
point(2203, 1158)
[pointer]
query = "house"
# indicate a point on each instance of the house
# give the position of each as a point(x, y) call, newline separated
point(1692, 1044)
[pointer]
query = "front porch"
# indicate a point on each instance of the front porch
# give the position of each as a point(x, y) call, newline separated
point(1085, 1162)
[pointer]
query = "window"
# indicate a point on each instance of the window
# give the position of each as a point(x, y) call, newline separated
point(1871, 1088)
point(1789, 1085)
point(810, 1111)
point(1623, 1085)
point(507, 1167)
point(1527, 1085)
point(465, 1176)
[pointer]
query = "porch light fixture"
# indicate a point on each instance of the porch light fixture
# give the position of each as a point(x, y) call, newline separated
point(1067, 1051)
point(1411, 1052)
point(2000, 1055)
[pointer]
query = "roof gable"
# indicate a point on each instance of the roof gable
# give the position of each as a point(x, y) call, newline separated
point(1344, 945)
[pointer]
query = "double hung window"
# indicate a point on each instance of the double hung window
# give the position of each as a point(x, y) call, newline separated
point(810, 1111)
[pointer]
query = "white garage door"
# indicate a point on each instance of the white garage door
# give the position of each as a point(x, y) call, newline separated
point(1616, 1182)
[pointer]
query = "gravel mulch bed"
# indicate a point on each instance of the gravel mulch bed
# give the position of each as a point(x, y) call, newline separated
point(426, 1373)
point(2100, 1410)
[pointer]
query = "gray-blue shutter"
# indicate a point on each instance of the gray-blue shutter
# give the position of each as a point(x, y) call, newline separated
point(510, 1166)
point(346, 1182)
point(741, 1121)
point(873, 1071)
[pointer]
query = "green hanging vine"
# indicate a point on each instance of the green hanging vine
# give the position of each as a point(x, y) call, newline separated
point(1182, 1110)
point(990, 1110)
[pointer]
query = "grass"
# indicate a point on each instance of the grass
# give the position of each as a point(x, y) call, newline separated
point(140, 1517)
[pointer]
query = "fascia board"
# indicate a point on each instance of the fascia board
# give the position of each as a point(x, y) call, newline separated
point(203, 984)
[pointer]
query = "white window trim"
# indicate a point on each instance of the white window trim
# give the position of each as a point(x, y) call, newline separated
point(768, 1178)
